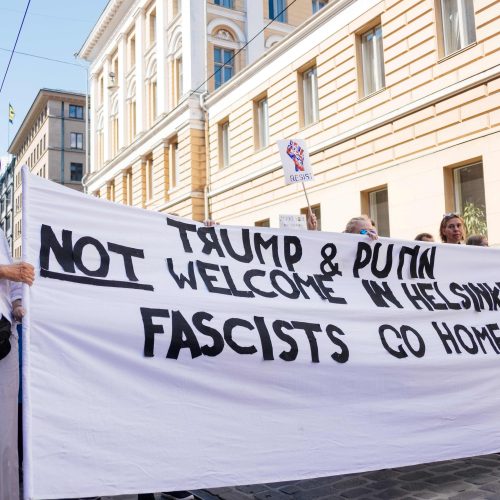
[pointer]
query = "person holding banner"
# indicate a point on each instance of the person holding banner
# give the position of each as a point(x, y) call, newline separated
point(11, 277)
point(452, 229)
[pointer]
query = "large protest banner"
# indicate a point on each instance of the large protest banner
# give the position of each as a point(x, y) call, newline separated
point(164, 355)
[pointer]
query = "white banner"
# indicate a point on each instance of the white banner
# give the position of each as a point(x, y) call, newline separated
point(163, 355)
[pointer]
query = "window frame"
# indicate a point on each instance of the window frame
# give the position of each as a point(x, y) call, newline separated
point(276, 7)
point(71, 166)
point(368, 207)
point(371, 65)
point(75, 111)
point(224, 144)
point(222, 3)
point(78, 136)
point(261, 120)
point(221, 66)
point(309, 100)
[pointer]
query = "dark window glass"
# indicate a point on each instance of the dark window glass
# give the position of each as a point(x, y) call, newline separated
point(76, 172)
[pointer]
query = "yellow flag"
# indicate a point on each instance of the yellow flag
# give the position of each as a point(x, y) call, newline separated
point(11, 113)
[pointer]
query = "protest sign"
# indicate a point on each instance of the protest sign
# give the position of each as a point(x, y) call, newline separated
point(293, 221)
point(295, 160)
point(164, 355)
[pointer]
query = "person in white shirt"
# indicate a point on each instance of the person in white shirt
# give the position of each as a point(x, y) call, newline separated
point(11, 310)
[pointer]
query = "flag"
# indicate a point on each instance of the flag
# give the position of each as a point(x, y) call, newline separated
point(11, 113)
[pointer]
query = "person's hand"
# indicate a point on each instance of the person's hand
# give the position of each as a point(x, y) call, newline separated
point(210, 223)
point(372, 233)
point(20, 271)
point(18, 310)
point(312, 221)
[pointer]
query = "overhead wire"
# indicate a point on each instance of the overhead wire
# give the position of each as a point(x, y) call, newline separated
point(15, 45)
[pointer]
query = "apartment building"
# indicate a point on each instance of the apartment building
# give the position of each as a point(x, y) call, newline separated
point(6, 196)
point(399, 104)
point(51, 142)
point(151, 63)
point(398, 101)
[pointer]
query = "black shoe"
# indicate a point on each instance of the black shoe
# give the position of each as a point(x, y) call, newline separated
point(177, 495)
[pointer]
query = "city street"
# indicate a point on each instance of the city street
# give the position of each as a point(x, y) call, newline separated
point(475, 478)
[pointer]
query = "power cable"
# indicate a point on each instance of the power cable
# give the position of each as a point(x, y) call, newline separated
point(44, 58)
point(15, 44)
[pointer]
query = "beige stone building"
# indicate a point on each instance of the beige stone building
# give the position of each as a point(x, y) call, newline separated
point(51, 142)
point(151, 64)
point(398, 101)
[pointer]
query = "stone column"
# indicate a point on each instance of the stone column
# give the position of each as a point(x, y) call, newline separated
point(255, 23)
point(194, 44)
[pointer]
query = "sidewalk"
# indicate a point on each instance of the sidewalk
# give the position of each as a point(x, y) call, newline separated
point(475, 478)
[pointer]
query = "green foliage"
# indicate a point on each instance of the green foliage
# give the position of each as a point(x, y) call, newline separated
point(475, 219)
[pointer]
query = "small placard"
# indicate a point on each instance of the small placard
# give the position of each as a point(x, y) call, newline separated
point(293, 222)
point(295, 160)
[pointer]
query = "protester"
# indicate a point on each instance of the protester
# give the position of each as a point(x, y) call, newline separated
point(362, 225)
point(452, 229)
point(357, 225)
point(11, 275)
point(478, 240)
point(425, 237)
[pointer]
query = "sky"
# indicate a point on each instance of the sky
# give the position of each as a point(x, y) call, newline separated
point(53, 29)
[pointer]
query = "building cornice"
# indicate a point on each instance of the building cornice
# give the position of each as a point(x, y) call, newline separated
point(102, 25)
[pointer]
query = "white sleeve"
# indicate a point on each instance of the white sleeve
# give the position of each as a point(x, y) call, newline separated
point(16, 289)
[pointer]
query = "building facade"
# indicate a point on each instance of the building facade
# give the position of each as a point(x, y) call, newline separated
point(6, 197)
point(51, 142)
point(398, 101)
point(151, 63)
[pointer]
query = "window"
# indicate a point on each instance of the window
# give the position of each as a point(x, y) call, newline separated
point(76, 112)
point(262, 132)
point(178, 79)
point(132, 111)
point(318, 5)
point(224, 144)
point(149, 177)
point(277, 10)
point(76, 140)
point(76, 172)
point(316, 210)
point(114, 129)
point(310, 111)
point(468, 190)
point(263, 223)
point(101, 89)
point(378, 209)
point(173, 152)
point(223, 65)
point(224, 3)
point(372, 60)
point(110, 194)
point(153, 103)
point(131, 52)
point(152, 27)
point(459, 29)
point(128, 187)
